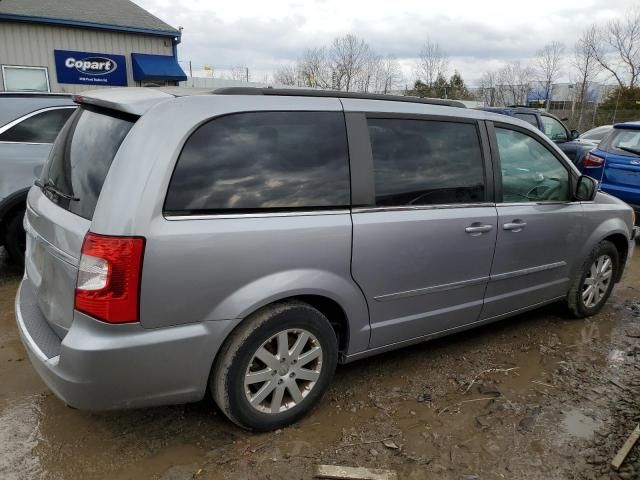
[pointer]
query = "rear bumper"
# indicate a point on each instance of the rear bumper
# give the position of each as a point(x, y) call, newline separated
point(102, 367)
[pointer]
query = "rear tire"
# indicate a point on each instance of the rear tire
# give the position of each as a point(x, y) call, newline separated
point(592, 288)
point(300, 353)
point(15, 237)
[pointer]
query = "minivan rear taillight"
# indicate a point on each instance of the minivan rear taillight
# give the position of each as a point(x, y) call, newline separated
point(591, 160)
point(108, 286)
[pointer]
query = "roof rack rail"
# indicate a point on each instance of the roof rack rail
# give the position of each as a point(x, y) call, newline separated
point(306, 92)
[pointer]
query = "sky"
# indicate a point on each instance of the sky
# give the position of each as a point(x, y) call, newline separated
point(477, 35)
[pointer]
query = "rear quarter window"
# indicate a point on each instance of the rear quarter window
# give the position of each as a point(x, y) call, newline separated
point(262, 161)
point(622, 141)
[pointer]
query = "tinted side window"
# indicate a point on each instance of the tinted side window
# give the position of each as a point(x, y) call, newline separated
point(527, 117)
point(425, 162)
point(40, 128)
point(263, 160)
point(530, 172)
point(553, 129)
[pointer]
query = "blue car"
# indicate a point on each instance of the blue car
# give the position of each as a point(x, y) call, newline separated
point(615, 163)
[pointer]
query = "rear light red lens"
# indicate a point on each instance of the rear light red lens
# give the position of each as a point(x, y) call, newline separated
point(591, 160)
point(108, 286)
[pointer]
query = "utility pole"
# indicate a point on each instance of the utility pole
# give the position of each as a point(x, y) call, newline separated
point(191, 73)
point(247, 69)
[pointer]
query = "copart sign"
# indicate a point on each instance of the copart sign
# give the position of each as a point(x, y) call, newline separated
point(90, 68)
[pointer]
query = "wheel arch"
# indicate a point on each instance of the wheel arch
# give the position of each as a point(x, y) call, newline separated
point(622, 245)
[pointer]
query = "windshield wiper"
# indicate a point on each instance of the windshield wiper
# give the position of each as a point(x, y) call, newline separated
point(630, 150)
point(50, 187)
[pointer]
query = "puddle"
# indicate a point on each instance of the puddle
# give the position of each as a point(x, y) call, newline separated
point(577, 424)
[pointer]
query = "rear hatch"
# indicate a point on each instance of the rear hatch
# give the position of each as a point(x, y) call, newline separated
point(621, 175)
point(61, 206)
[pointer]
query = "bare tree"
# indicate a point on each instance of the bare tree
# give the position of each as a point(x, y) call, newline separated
point(389, 75)
point(239, 73)
point(315, 69)
point(433, 63)
point(586, 66)
point(548, 64)
point(617, 49)
point(513, 83)
point(286, 75)
point(487, 91)
point(349, 56)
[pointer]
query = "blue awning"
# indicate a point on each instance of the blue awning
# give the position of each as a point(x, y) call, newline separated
point(156, 67)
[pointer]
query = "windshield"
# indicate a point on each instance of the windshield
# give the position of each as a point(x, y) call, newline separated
point(81, 158)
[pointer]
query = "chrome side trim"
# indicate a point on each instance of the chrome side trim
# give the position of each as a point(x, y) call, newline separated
point(529, 204)
point(412, 341)
point(404, 208)
point(257, 215)
point(15, 122)
point(435, 289)
point(466, 283)
point(527, 271)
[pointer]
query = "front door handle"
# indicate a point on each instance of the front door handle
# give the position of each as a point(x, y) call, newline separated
point(515, 226)
point(476, 229)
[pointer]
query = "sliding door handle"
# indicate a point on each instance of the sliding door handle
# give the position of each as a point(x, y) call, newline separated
point(515, 226)
point(476, 229)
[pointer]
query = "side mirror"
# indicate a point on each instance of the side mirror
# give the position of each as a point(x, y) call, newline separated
point(574, 134)
point(586, 189)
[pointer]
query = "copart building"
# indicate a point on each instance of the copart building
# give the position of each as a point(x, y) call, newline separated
point(75, 45)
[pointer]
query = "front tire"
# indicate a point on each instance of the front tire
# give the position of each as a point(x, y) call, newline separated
point(275, 367)
point(592, 288)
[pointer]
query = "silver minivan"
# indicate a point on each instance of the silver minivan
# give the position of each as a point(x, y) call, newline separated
point(245, 241)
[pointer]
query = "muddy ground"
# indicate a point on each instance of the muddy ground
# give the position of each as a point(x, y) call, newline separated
point(538, 396)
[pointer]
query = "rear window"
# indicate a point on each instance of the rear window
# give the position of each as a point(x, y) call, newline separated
point(527, 117)
point(81, 157)
point(623, 142)
point(262, 161)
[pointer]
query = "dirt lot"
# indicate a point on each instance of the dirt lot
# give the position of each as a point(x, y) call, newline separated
point(538, 396)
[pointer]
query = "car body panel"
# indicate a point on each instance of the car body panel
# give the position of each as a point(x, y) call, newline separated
point(423, 290)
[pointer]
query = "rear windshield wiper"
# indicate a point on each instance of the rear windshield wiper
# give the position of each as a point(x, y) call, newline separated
point(630, 150)
point(50, 187)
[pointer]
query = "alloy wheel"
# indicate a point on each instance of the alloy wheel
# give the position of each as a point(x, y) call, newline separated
point(597, 281)
point(283, 371)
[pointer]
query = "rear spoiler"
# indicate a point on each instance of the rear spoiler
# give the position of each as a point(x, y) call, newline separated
point(131, 100)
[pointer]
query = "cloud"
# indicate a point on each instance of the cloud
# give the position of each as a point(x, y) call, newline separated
point(263, 36)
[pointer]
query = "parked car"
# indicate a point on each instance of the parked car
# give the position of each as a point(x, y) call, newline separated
point(615, 162)
point(551, 125)
point(594, 136)
point(586, 142)
point(249, 240)
point(29, 124)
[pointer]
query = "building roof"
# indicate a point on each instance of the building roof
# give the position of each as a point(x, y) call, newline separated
point(119, 15)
